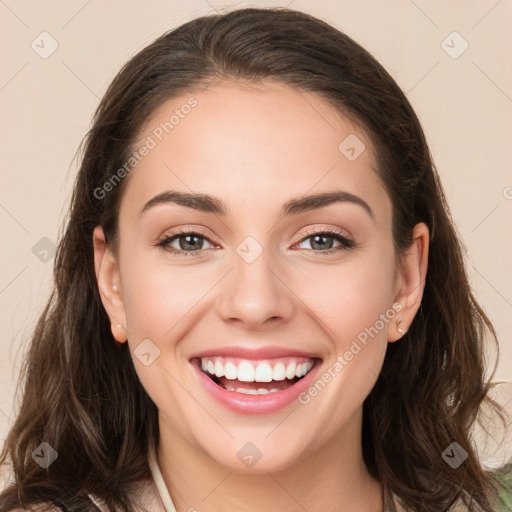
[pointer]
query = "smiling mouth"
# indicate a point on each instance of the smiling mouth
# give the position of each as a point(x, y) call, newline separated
point(253, 377)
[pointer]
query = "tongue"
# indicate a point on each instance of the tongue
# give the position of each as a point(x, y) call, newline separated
point(275, 384)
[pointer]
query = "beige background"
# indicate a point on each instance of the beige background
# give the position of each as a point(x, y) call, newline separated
point(464, 103)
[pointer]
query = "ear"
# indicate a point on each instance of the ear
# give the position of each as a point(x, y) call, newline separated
point(411, 282)
point(109, 285)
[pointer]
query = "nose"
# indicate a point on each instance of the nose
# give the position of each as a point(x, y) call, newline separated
point(256, 294)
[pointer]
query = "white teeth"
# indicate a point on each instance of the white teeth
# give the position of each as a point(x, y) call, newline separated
point(290, 370)
point(252, 391)
point(247, 391)
point(245, 372)
point(230, 371)
point(248, 371)
point(219, 369)
point(279, 372)
point(305, 367)
point(263, 373)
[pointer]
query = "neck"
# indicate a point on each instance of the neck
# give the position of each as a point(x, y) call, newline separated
point(332, 477)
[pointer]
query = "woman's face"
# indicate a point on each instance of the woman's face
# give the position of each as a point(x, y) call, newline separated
point(266, 290)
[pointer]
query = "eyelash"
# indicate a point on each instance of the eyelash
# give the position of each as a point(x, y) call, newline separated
point(345, 242)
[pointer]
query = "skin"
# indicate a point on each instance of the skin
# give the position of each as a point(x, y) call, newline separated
point(255, 147)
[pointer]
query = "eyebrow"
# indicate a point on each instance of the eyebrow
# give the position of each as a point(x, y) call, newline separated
point(294, 206)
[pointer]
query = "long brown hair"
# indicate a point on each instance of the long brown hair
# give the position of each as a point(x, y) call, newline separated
point(81, 393)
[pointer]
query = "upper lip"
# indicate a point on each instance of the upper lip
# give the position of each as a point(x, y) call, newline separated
point(256, 353)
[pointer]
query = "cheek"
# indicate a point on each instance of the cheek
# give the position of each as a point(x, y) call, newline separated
point(161, 304)
point(158, 296)
point(353, 303)
point(349, 298)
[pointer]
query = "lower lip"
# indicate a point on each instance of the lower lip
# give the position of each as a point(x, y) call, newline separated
point(256, 404)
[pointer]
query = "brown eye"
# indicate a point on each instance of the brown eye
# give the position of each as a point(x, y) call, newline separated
point(190, 242)
point(323, 242)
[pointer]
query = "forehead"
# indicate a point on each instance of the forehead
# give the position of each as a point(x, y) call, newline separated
point(246, 142)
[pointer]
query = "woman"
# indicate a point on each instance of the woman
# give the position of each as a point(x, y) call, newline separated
point(260, 298)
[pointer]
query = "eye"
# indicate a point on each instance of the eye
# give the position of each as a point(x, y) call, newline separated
point(321, 242)
point(190, 242)
point(187, 241)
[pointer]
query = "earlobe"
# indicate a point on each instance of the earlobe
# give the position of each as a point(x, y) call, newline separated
point(109, 286)
point(412, 275)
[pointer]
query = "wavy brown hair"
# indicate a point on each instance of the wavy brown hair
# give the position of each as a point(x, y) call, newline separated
point(81, 393)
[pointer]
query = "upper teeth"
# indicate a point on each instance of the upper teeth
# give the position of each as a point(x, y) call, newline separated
point(251, 371)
